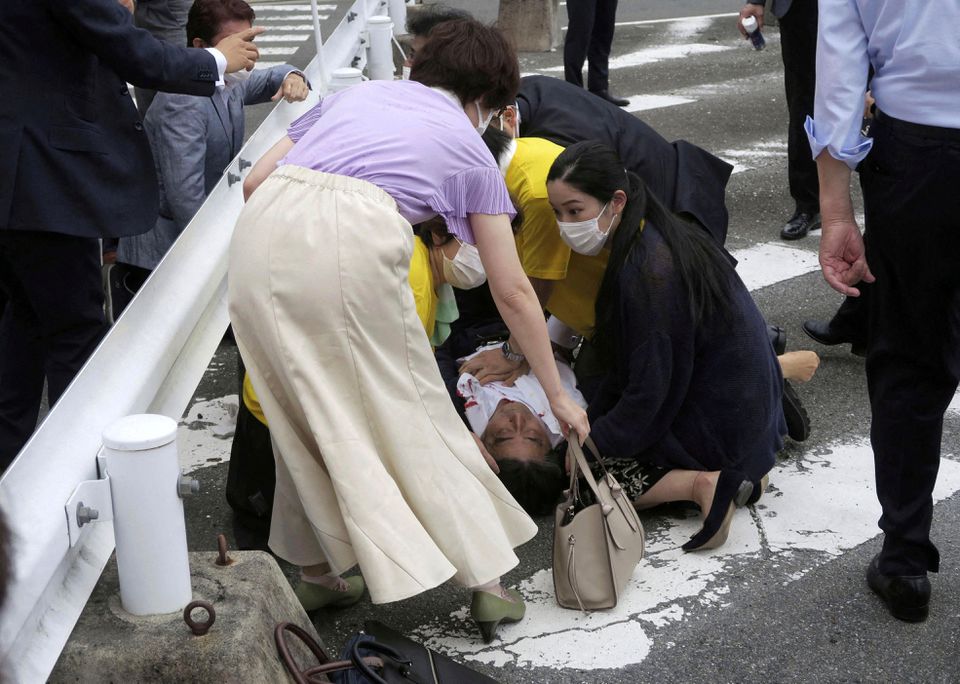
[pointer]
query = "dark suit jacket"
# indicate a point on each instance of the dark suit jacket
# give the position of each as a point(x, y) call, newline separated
point(74, 157)
point(684, 177)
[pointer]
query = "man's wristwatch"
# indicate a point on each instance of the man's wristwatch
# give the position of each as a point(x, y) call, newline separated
point(511, 355)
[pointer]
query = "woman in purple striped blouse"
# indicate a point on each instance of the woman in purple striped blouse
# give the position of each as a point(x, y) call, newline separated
point(374, 467)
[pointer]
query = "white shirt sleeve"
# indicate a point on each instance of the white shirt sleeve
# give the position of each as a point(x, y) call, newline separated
point(221, 64)
point(842, 68)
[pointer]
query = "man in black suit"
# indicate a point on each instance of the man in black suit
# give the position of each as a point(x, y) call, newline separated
point(798, 49)
point(590, 37)
point(688, 179)
point(76, 167)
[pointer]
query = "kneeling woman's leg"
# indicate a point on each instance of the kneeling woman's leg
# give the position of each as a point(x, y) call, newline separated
point(717, 493)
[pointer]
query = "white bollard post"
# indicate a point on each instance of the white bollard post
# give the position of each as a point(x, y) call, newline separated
point(344, 78)
point(380, 57)
point(398, 15)
point(148, 522)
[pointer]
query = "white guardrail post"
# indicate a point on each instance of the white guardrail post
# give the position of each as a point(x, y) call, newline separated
point(146, 485)
point(380, 60)
point(150, 362)
point(398, 13)
point(344, 78)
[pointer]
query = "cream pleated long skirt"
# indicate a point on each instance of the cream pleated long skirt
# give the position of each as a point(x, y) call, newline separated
point(374, 466)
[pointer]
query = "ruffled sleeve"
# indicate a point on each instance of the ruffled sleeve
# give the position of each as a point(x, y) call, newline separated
point(479, 190)
point(300, 126)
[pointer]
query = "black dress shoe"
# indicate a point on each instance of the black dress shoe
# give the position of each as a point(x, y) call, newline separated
point(613, 99)
point(733, 490)
point(798, 422)
point(820, 331)
point(799, 225)
point(907, 596)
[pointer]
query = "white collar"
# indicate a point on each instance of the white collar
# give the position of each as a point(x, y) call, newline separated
point(507, 157)
point(447, 94)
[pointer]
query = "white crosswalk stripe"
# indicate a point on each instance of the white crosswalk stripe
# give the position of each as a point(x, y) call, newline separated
point(283, 38)
point(271, 7)
point(655, 54)
point(283, 27)
point(278, 50)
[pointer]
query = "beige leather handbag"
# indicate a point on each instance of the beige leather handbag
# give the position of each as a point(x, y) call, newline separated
point(597, 540)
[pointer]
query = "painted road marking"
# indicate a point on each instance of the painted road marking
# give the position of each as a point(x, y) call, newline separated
point(283, 38)
point(669, 583)
point(769, 263)
point(671, 20)
point(286, 27)
point(761, 154)
point(294, 8)
point(278, 50)
point(642, 103)
point(205, 433)
point(266, 65)
point(656, 54)
point(290, 17)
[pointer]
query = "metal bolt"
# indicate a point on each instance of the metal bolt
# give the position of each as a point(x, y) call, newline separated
point(222, 557)
point(244, 163)
point(187, 486)
point(232, 178)
point(86, 514)
point(351, 16)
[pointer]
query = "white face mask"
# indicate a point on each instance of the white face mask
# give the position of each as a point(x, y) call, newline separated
point(236, 77)
point(585, 237)
point(482, 126)
point(405, 73)
point(464, 271)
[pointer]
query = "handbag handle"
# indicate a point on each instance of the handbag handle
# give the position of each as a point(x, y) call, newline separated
point(280, 637)
point(364, 667)
point(579, 462)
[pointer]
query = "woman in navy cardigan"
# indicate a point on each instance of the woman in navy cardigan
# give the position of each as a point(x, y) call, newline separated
point(689, 406)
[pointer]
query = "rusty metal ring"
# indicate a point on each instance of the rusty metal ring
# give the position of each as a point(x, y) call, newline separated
point(199, 628)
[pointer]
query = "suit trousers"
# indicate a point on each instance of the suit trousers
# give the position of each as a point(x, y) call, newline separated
point(850, 320)
point(798, 44)
point(911, 203)
point(52, 321)
point(589, 37)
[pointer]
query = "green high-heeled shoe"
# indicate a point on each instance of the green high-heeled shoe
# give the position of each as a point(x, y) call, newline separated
point(314, 596)
point(488, 611)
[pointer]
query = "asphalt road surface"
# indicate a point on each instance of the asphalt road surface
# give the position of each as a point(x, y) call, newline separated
point(785, 599)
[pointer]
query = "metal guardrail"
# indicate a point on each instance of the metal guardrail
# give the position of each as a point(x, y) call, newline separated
point(150, 362)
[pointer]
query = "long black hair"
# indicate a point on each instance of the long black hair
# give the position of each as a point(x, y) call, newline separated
point(595, 169)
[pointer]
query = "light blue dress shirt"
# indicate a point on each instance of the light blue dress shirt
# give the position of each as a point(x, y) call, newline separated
point(914, 48)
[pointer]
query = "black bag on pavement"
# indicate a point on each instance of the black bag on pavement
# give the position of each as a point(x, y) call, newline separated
point(378, 655)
